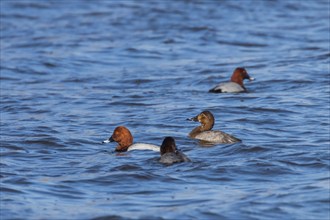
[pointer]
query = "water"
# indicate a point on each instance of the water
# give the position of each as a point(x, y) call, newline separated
point(72, 71)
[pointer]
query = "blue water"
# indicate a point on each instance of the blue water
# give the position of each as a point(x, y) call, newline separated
point(71, 71)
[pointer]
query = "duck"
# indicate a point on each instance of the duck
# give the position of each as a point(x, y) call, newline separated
point(170, 154)
point(204, 132)
point(124, 138)
point(236, 82)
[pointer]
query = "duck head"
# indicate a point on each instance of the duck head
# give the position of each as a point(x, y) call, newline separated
point(168, 146)
point(206, 119)
point(122, 136)
point(239, 75)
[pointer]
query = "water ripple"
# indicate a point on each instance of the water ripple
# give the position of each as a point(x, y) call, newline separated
point(71, 73)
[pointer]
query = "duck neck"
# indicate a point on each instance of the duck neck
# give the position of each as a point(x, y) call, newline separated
point(207, 126)
point(123, 146)
point(195, 132)
point(200, 129)
point(121, 149)
point(238, 80)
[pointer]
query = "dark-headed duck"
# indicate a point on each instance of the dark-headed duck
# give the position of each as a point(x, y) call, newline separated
point(124, 138)
point(169, 153)
point(235, 84)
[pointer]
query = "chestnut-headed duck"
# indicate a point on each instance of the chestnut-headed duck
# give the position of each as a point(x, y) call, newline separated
point(170, 154)
point(204, 133)
point(235, 84)
point(124, 138)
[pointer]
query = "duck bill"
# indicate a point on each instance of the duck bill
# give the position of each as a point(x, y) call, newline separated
point(193, 119)
point(250, 78)
point(108, 140)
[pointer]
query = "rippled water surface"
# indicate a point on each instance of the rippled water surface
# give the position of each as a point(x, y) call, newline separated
point(71, 71)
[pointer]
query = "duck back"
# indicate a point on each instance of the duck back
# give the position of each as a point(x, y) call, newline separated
point(217, 136)
point(174, 157)
point(227, 87)
point(142, 146)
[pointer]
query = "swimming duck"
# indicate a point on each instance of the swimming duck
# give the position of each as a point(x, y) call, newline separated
point(235, 84)
point(170, 154)
point(204, 133)
point(124, 138)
